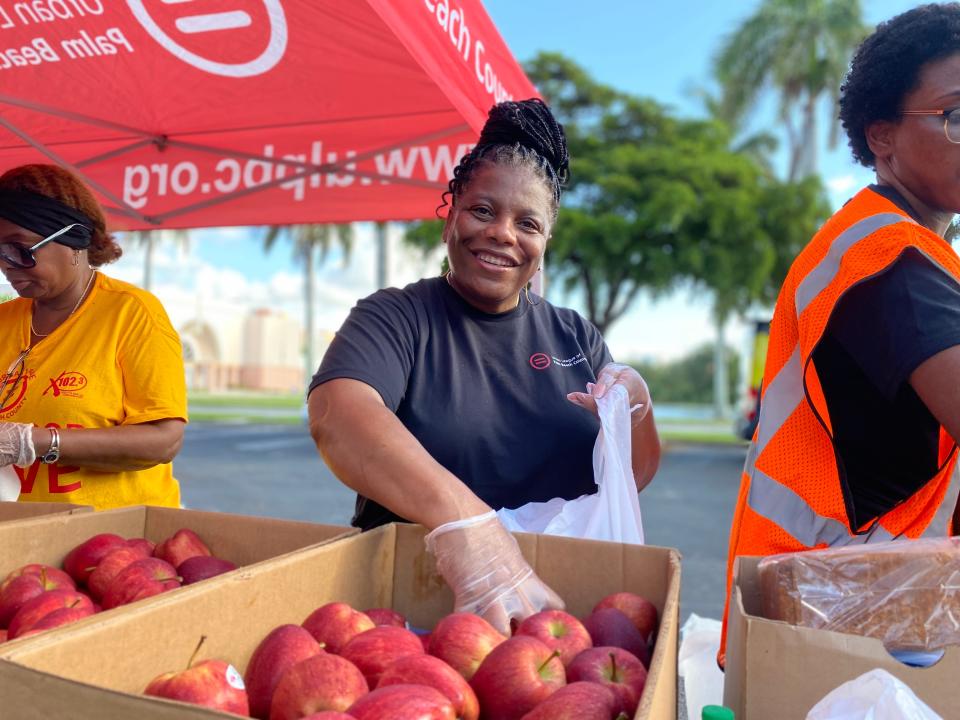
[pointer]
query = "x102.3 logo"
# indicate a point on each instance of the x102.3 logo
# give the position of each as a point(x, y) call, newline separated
point(69, 383)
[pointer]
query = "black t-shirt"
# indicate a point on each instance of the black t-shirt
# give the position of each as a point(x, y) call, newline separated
point(880, 331)
point(484, 394)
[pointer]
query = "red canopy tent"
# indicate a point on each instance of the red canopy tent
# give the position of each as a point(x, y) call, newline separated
point(192, 113)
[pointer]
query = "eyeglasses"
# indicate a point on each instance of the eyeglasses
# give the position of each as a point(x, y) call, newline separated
point(21, 257)
point(951, 121)
point(12, 377)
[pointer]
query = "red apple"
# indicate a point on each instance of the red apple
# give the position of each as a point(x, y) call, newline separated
point(610, 627)
point(329, 715)
point(557, 630)
point(641, 612)
point(27, 583)
point(143, 545)
point(403, 702)
point(516, 676)
point(386, 616)
point(110, 566)
point(434, 672)
point(182, 545)
point(53, 578)
point(616, 669)
point(57, 618)
point(281, 649)
point(142, 579)
point(3, 636)
point(374, 650)
point(211, 683)
point(463, 640)
point(578, 701)
point(321, 682)
point(333, 625)
point(201, 567)
point(425, 641)
point(82, 560)
point(42, 605)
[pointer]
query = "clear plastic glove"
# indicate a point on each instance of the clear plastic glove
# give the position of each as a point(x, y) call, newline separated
point(617, 374)
point(16, 444)
point(482, 564)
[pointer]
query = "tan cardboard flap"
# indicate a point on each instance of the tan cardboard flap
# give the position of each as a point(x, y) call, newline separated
point(387, 567)
point(779, 670)
point(12, 511)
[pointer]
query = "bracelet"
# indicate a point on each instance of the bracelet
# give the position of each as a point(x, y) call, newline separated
point(53, 452)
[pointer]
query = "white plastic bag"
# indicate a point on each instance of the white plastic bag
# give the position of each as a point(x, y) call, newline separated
point(876, 695)
point(613, 512)
point(697, 663)
point(9, 484)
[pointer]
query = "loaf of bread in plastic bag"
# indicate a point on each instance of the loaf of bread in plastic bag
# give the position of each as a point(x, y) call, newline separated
point(905, 593)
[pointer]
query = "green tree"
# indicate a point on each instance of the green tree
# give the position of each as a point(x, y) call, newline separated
point(311, 245)
point(688, 379)
point(799, 49)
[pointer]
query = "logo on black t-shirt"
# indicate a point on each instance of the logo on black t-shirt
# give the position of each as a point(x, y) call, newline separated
point(540, 361)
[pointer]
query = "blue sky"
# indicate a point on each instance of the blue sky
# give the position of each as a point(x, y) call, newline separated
point(647, 47)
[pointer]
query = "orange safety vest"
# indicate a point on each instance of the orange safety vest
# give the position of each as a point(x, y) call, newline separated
point(791, 497)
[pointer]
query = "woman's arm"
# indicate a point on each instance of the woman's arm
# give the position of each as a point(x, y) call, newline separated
point(116, 449)
point(937, 382)
point(371, 452)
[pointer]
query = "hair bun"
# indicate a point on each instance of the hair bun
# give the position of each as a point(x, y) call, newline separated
point(530, 124)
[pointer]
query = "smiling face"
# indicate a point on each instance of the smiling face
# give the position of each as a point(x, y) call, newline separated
point(52, 275)
point(913, 154)
point(496, 234)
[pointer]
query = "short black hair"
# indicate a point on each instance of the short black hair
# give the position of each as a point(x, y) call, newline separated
point(523, 133)
point(887, 65)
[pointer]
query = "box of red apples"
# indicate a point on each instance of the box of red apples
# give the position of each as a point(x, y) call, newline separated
point(364, 628)
point(15, 511)
point(60, 569)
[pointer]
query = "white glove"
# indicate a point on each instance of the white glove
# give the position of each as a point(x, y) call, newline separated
point(482, 564)
point(16, 444)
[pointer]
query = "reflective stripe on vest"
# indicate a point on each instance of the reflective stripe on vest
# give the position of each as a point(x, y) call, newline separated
point(772, 499)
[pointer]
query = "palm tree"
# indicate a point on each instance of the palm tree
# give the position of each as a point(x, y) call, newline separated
point(148, 240)
point(800, 49)
point(311, 245)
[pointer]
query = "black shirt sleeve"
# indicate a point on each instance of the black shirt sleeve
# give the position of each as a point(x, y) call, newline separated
point(376, 345)
point(894, 322)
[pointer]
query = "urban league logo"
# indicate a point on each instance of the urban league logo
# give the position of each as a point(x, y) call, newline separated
point(211, 30)
point(540, 361)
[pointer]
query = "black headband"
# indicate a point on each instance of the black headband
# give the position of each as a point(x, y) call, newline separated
point(44, 216)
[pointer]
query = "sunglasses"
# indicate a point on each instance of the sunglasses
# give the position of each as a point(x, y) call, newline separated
point(21, 256)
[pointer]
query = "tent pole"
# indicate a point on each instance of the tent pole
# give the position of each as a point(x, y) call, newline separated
point(382, 255)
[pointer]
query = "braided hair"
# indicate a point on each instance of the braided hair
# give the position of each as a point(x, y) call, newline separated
point(517, 134)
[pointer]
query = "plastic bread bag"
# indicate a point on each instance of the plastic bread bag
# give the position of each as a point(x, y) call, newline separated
point(9, 484)
point(613, 512)
point(876, 695)
point(905, 593)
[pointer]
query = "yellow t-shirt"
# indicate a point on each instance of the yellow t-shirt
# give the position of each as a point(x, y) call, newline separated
point(116, 361)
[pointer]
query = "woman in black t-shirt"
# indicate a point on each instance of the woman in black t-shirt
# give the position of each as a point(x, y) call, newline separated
point(455, 396)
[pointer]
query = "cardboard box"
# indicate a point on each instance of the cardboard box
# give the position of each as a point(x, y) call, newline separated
point(244, 540)
point(95, 671)
point(776, 670)
point(15, 511)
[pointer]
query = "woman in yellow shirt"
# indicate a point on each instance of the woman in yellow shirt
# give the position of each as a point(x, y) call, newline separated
point(93, 401)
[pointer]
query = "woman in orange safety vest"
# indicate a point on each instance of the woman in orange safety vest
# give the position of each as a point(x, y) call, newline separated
point(861, 390)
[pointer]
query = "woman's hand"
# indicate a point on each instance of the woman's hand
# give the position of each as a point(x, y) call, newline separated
point(16, 444)
point(645, 451)
point(616, 374)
